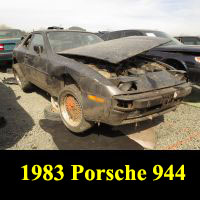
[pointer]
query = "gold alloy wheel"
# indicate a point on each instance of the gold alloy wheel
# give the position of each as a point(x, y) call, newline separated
point(71, 110)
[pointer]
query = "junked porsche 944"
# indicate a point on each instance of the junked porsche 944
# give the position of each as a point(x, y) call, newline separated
point(92, 81)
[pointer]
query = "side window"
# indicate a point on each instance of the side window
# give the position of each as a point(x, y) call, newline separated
point(36, 41)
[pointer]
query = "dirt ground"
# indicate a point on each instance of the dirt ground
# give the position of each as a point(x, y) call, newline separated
point(26, 128)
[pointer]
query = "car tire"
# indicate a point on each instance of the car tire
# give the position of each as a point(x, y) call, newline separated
point(51, 114)
point(71, 109)
point(22, 82)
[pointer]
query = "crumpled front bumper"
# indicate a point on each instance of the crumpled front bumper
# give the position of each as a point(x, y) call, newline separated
point(139, 107)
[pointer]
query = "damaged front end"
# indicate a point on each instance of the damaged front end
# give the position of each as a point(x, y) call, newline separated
point(139, 74)
point(140, 88)
point(148, 89)
point(140, 107)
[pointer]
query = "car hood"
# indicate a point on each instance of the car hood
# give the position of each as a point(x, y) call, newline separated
point(115, 51)
point(179, 48)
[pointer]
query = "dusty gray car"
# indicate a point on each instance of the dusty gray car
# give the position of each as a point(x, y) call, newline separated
point(92, 81)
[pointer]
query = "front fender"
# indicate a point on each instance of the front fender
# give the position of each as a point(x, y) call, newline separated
point(95, 111)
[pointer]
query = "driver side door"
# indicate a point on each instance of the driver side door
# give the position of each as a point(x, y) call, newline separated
point(37, 61)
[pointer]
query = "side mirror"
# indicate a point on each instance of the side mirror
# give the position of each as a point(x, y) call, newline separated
point(38, 49)
point(22, 38)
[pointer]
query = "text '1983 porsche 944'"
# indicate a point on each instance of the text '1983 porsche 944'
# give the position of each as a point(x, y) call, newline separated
point(92, 81)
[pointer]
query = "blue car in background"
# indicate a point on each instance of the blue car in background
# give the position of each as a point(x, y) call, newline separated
point(9, 38)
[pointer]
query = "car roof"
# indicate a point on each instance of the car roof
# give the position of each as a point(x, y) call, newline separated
point(142, 30)
point(60, 30)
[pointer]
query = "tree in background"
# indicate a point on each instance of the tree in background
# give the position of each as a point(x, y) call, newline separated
point(3, 26)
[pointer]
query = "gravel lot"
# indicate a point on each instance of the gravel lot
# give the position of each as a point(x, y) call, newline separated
point(26, 127)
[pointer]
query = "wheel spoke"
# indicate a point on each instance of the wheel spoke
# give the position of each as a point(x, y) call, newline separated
point(71, 110)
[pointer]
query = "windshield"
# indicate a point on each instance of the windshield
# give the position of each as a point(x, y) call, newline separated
point(61, 41)
point(163, 35)
point(10, 34)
